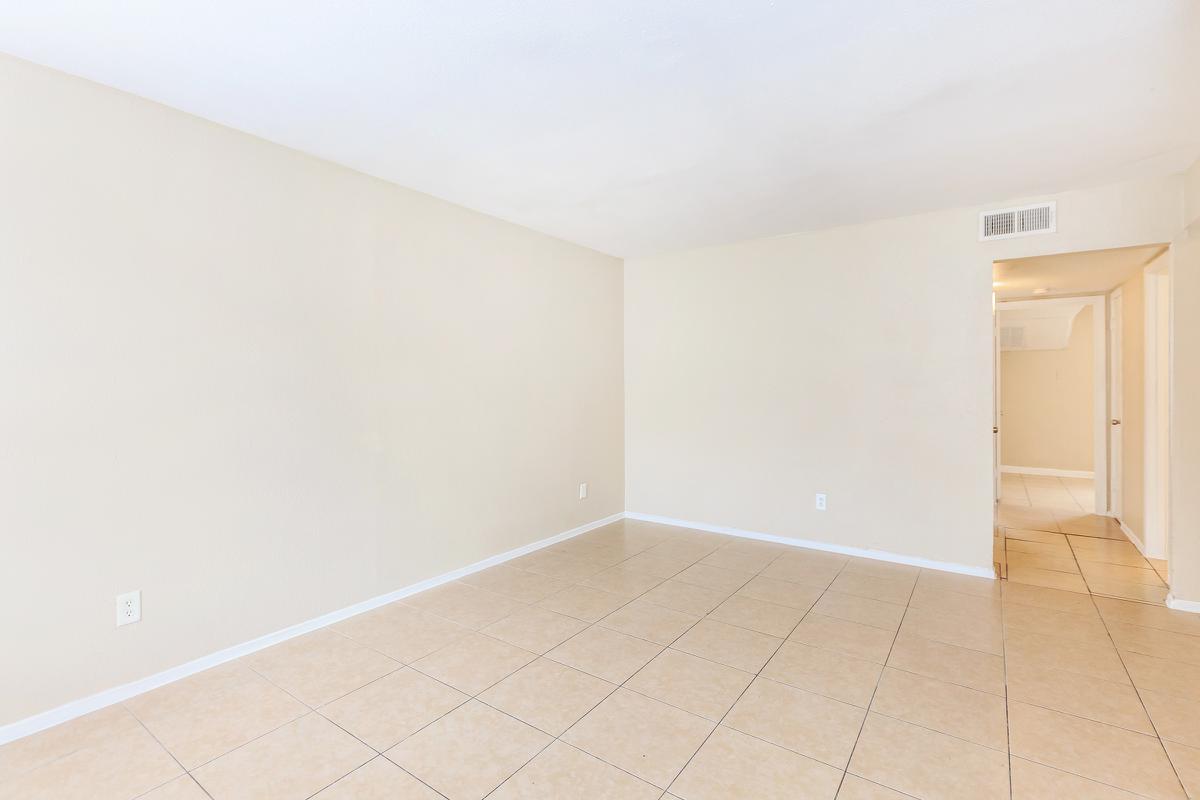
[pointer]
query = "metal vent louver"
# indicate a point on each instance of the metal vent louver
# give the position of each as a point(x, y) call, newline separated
point(1006, 223)
point(1012, 337)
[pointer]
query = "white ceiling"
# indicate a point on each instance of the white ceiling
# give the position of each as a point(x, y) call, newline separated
point(1070, 273)
point(640, 126)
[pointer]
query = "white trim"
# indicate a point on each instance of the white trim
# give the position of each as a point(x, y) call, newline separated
point(1058, 473)
point(1099, 304)
point(108, 697)
point(1134, 538)
point(997, 407)
point(1116, 401)
point(1190, 606)
point(1156, 435)
point(877, 555)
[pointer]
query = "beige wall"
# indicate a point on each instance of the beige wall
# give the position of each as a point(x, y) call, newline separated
point(1157, 502)
point(1133, 402)
point(1046, 398)
point(1191, 195)
point(1184, 536)
point(260, 387)
point(855, 361)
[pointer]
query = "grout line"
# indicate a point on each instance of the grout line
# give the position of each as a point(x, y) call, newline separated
point(923, 726)
point(617, 688)
point(255, 739)
point(742, 693)
point(1138, 692)
point(1007, 722)
point(351, 772)
point(1055, 768)
point(200, 786)
point(554, 739)
point(186, 772)
point(878, 680)
point(186, 775)
point(378, 753)
point(372, 759)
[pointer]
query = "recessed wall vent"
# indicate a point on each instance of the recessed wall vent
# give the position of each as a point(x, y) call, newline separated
point(1012, 337)
point(1006, 223)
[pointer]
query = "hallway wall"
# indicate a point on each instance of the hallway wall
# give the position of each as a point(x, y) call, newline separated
point(1133, 401)
point(1047, 404)
point(1184, 544)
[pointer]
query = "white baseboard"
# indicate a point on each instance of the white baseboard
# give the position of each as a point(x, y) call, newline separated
point(108, 697)
point(1191, 606)
point(1133, 537)
point(878, 555)
point(1054, 473)
point(1137, 541)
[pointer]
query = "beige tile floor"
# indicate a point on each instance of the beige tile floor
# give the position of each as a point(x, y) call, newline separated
point(1048, 491)
point(644, 661)
point(1054, 543)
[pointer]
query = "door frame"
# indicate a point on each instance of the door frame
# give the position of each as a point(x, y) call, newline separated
point(1116, 402)
point(997, 484)
point(1157, 372)
point(1100, 380)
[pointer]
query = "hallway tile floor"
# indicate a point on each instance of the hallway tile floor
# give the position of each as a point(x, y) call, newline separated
point(1048, 491)
point(645, 661)
point(1059, 545)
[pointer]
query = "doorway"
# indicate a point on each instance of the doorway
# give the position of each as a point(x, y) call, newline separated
point(1051, 402)
point(1080, 394)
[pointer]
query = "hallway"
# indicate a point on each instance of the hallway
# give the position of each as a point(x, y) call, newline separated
point(1045, 537)
point(1047, 491)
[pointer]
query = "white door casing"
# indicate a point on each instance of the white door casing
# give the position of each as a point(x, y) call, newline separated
point(1115, 404)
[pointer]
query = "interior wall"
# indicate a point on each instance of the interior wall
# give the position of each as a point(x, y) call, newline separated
point(855, 361)
point(1133, 405)
point(260, 387)
point(1047, 405)
point(1159, 402)
point(1184, 528)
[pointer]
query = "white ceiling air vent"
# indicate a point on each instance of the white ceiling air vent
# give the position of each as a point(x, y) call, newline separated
point(1012, 337)
point(1006, 223)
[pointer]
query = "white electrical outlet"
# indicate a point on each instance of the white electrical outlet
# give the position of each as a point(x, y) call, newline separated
point(129, 608)
point(583, 491)
point(820, 501)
